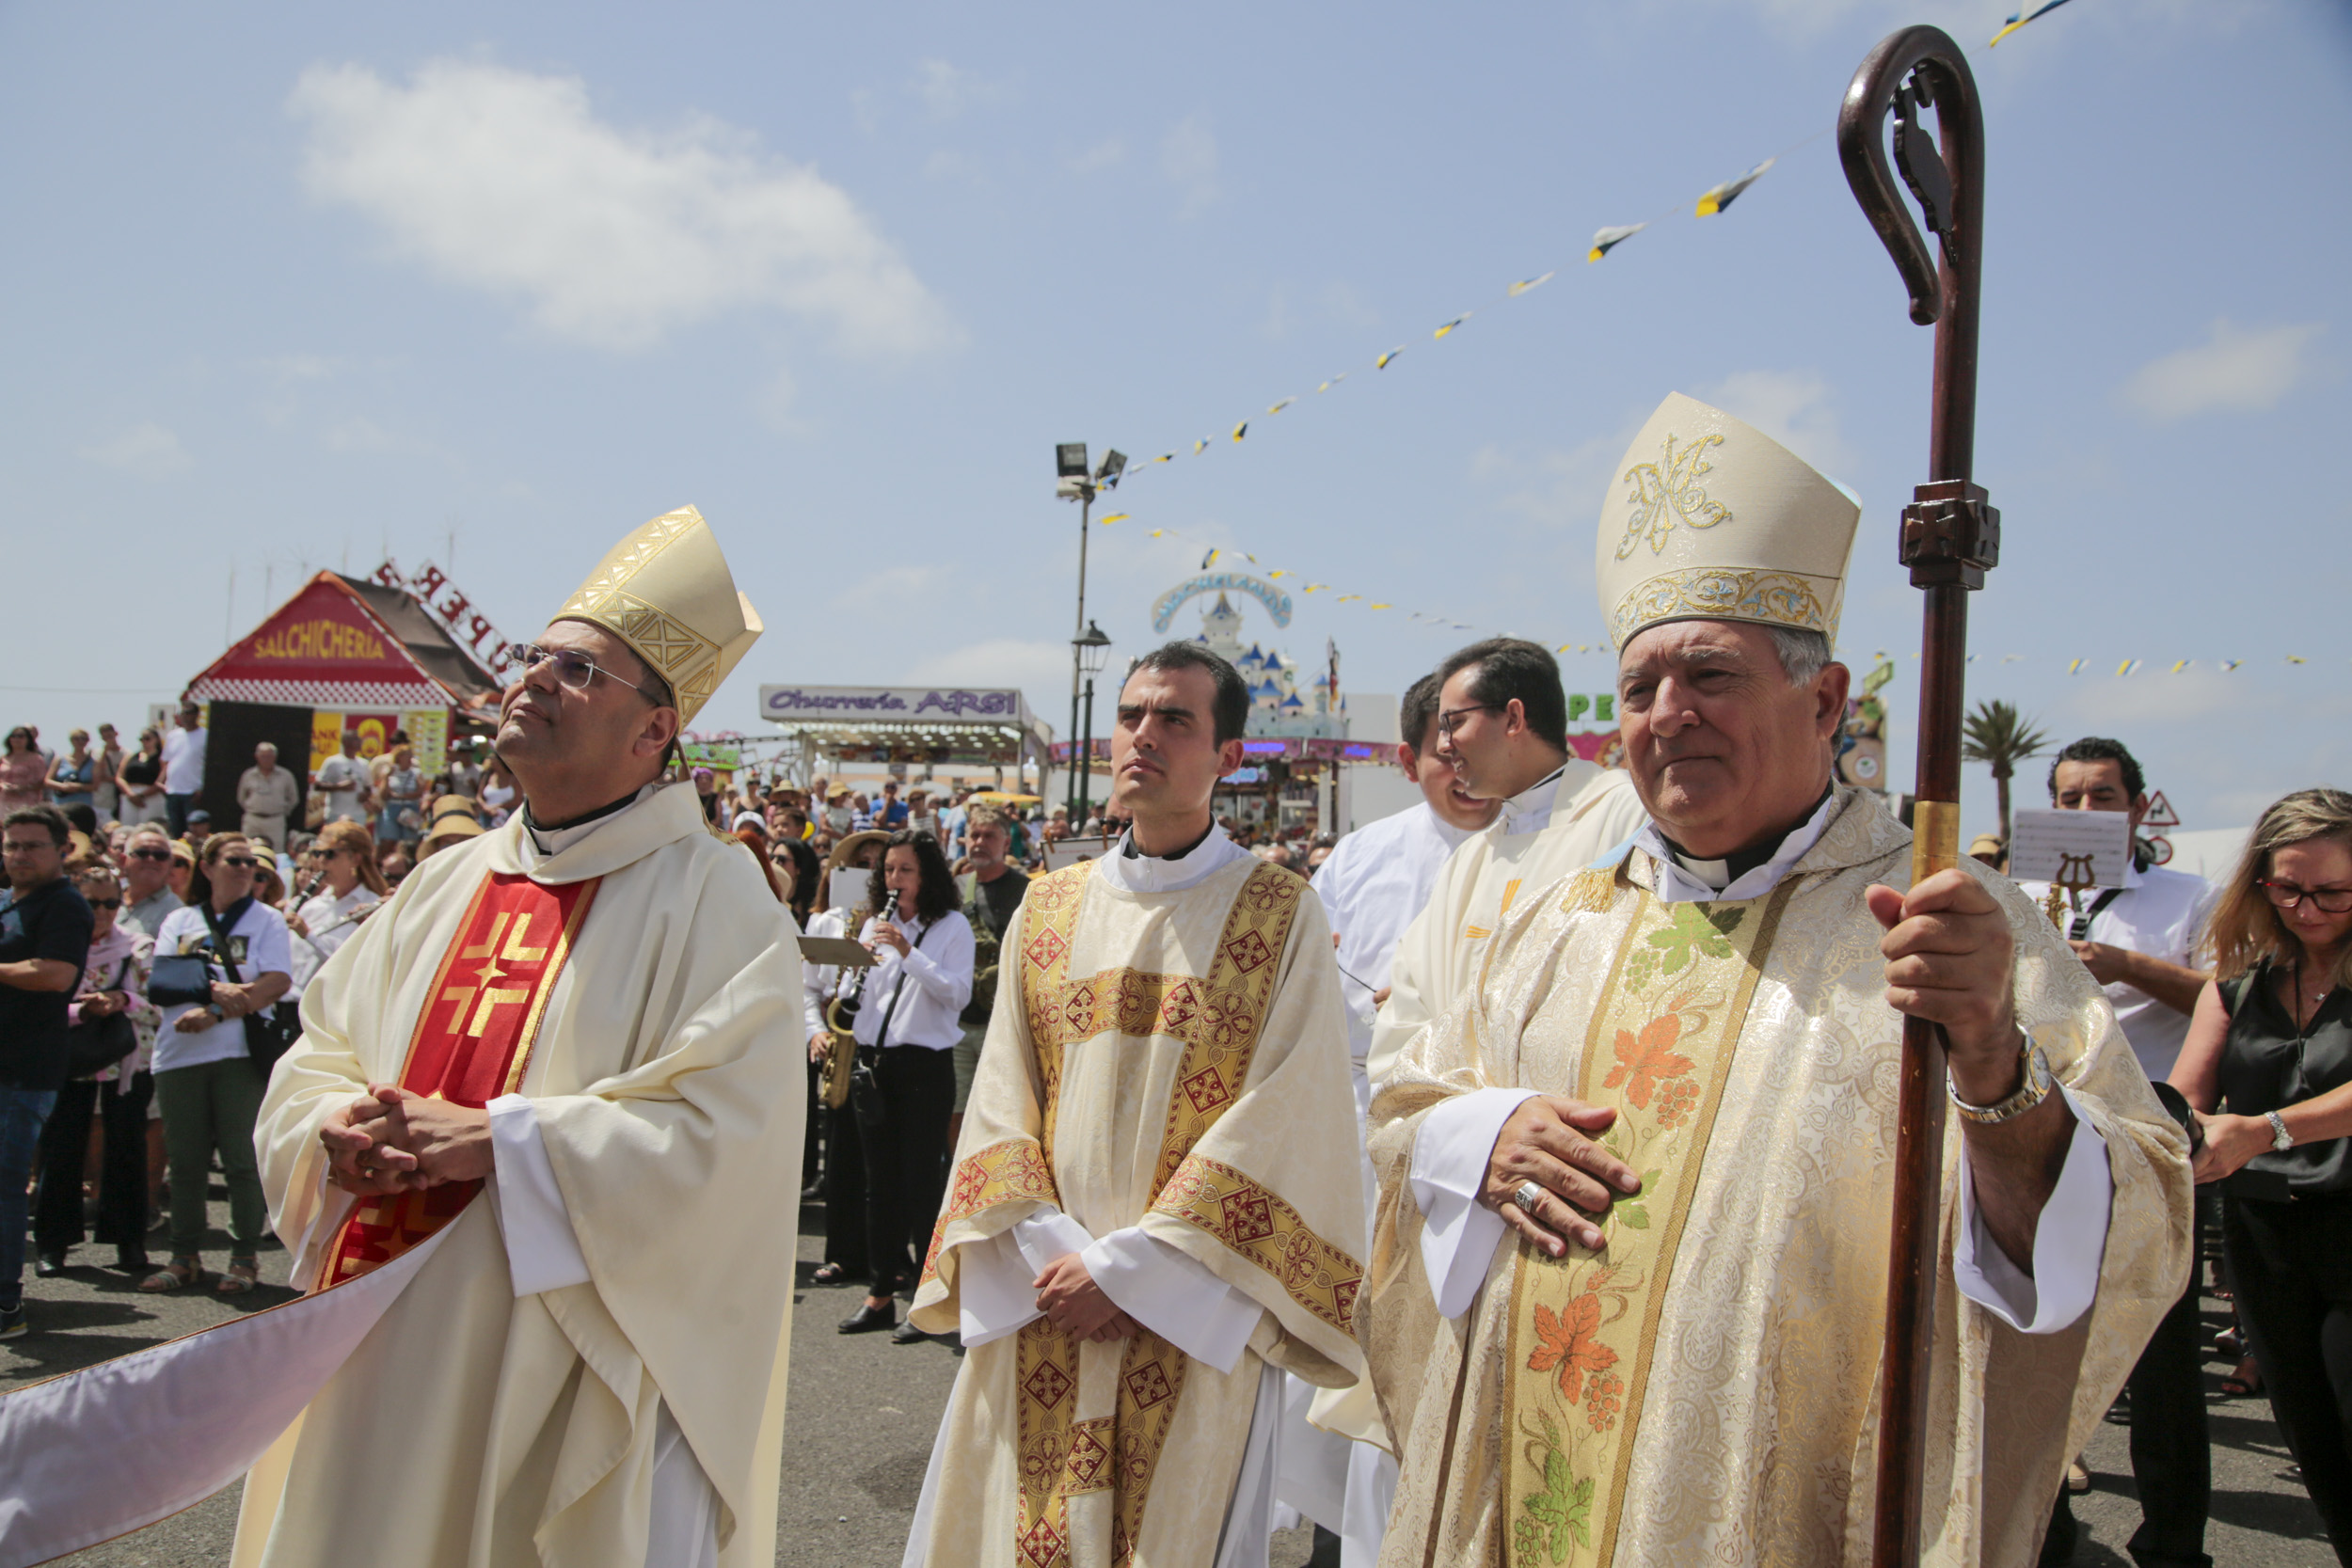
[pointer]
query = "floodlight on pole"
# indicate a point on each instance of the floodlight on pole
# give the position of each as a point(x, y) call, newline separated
point(1114, 464)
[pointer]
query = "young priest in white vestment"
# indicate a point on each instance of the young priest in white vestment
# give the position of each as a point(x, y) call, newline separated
point(1156, 1206)
point(1635, 1188)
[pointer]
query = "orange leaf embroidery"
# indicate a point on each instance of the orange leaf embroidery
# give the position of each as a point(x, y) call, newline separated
point(1649, 1060)
point(1568, 1345)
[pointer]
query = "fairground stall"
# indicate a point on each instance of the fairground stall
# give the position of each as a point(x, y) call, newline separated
point(345, 653)
point(863, 735)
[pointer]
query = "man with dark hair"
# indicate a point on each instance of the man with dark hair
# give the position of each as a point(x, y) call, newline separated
point(1230, 707)
point(1155, 1210)
point(44, 940)
point(2139, 943)
point(1499, 722)
point(1374, 882)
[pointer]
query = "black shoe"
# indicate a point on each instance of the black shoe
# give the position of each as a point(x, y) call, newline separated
point(12, 1323)
point(132, 1259)
point(813, 1193)
point(48, 1265)
point(908, 1334)
point(870, 1320)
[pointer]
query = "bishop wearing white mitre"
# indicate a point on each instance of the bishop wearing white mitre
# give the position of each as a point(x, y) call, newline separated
point(1156, 1205)
point(1627, 1283)
point(590, 1016)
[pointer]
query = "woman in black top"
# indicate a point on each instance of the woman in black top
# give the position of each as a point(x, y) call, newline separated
point(2272, 1040)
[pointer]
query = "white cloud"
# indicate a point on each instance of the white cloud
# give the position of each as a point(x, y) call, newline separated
point(998, 661)
point(1555, 488)
point(1189, 158)
point(947, 91)
point(1792, 407)
point(1101, 155)
point(2237, 370)
point(147, 450)
point(504, 180)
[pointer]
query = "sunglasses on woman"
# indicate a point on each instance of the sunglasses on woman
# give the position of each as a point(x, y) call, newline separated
point(103, 903)
point(243, 863)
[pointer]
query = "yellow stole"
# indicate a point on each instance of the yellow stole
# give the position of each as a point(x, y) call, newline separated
point(1218, 1018)
point(1583, 1327)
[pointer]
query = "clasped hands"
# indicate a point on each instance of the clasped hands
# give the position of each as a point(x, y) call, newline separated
point(1949, 958)
point(1073, 1302)
point(395, 1140)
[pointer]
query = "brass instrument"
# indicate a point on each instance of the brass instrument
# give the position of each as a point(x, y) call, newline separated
point(841, 1018)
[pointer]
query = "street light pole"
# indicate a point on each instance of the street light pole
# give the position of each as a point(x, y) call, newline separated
point(1073, 482)
point(1089, 648)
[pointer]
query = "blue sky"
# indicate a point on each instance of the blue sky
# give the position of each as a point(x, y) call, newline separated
point(295, 287)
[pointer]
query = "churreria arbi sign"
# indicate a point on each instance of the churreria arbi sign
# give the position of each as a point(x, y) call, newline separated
point(944, 704)
point(1164, 608)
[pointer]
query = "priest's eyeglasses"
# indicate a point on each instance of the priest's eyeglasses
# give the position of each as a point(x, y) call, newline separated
point(573, 668)
point(1451, 719)
point(2328, 900)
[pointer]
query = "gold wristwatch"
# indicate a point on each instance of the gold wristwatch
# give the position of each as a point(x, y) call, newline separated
point(2035, 1089)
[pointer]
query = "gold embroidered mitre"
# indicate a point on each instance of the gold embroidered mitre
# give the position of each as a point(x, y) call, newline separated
point(1712, 520)
point(666, 591)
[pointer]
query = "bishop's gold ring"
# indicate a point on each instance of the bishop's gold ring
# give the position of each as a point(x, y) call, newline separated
point(1525, 1195)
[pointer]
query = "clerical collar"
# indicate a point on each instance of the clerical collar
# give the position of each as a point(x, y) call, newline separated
point(1530, 809)
point(1129, 850)
point(553, 838)
point(1748, 873)
point(1132, 871)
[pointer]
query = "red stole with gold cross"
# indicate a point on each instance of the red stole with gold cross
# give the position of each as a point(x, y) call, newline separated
point(471, 1044)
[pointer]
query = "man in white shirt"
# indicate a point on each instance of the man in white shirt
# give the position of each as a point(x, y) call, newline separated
point(1372, 883)
point(2139, 942)
point(183, 766)
point(343, 781)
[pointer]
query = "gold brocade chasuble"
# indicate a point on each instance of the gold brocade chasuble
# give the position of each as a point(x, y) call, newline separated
point(1703, 1389)
point(471, 1045)
point(1174, 1062)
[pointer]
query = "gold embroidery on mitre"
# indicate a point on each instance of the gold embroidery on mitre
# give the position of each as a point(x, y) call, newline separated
point(1723, 594)
point(1667, 491)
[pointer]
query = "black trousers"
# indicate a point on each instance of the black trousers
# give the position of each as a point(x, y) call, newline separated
point(122, 1174)
point(2291, 1265)
point(2171, 1452)
point(906, 1167)
point(845, 1193)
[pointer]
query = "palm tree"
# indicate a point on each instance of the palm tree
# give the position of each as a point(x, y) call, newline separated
point(1996, 736)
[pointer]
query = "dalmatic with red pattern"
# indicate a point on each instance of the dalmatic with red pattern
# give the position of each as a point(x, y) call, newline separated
point(471, 1044)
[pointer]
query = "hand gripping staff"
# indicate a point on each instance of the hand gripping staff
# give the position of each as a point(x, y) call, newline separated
point(1950, 538)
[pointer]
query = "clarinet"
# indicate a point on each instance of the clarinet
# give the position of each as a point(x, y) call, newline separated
point(842, 1016)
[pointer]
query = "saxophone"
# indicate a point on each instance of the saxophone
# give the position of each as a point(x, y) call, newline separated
point(841, 1018)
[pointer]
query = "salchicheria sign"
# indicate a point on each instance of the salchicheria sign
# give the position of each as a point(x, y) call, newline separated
point(905, 703)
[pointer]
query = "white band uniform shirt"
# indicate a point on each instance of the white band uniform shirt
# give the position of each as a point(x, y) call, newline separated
point(930, 984)
point(2158, 912)
point(328, 922)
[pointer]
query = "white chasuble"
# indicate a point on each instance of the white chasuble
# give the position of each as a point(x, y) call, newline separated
point(1441, 954)
point(1703, 1389)
point(1165, 1082)
point(475, 1426)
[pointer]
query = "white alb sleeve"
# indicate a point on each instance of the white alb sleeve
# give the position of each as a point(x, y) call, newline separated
point(1174, 1296)
point(542, 1253)
point(995, 1279)
point(1458, 1234)
point(2069, 1242)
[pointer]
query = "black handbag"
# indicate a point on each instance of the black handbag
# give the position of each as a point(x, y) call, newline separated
point(180, 979)
point(100, 1043)
point(269, 1032)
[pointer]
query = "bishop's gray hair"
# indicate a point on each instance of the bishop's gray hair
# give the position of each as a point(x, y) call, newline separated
point(1803, 653)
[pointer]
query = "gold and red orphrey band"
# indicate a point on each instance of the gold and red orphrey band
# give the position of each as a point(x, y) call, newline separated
point(112, 1448)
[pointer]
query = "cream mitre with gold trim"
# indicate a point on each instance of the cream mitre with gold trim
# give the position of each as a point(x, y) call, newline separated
point(666, 591)
point(1717, 521)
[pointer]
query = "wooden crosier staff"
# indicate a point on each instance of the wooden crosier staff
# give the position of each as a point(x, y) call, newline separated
point(1950, 537)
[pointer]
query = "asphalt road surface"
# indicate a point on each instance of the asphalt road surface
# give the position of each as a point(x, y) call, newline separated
point(862, 1411)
